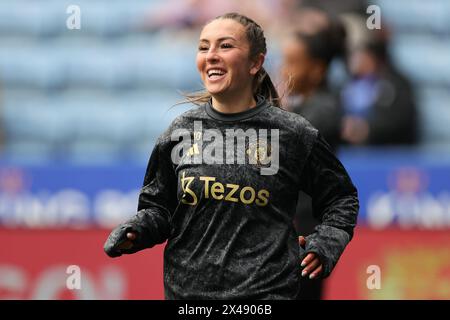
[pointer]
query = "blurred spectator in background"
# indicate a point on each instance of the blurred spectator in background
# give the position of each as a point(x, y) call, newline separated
point(307, 54)
point(2, 126)
point(379, 104)
point(182, 14)
point(336, 7)
point(378, 101)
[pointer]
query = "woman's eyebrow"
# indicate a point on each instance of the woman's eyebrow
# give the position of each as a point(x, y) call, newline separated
point(220, 39)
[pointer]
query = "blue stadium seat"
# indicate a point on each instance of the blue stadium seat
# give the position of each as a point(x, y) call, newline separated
point(28, 65)
point(434, 105)
point(96, 66)
point(162, 61)
point(423, 58)
point(34, 120)
point(149, 113)
point(415, 15)
point(48, 17)
point(92, 152)
point(36, 18)
point(27, 152)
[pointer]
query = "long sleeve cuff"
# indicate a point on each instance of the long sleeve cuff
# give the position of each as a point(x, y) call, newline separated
point(328, 243)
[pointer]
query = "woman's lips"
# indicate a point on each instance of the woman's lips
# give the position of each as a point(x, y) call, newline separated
point(215, 77)
point(215, 73)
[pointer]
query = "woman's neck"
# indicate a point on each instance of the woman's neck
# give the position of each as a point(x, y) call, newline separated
point(231, 104)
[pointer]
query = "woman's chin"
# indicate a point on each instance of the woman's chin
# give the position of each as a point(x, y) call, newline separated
point(215, 91)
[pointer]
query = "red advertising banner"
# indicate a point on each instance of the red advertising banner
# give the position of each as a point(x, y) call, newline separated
point(45, 264)
point(412, 264)
point(35, 264)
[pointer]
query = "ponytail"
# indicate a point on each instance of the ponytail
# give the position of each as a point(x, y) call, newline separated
point(264, 86)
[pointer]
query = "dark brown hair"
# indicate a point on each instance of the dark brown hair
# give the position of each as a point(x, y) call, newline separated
point(326, 43)
point(262, 84)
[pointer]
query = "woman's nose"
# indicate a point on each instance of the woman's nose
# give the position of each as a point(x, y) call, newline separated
point(211, 56)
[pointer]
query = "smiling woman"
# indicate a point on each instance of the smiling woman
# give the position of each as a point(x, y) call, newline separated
point(230, 59)
point(229, 224)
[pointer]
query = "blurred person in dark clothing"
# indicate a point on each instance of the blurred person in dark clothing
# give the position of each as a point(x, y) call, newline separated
point(378, 102)
point(337, 7)
point(307, 55)
point(2, 126)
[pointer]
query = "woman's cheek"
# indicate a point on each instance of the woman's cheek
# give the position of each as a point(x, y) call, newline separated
point(200, 64)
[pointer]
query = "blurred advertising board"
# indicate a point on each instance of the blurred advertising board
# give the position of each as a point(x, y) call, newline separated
point(393, 264)
point(68, 196)
point(71, 264)
point(44, 264)
point(401, 188)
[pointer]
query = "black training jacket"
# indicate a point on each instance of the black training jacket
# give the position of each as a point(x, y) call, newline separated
point(229, 228)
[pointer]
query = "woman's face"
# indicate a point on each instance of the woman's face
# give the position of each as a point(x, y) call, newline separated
point(296, 64)
point(223, 58)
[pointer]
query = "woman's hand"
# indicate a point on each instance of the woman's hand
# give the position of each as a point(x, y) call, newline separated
point(128, 244)
point(311, 263)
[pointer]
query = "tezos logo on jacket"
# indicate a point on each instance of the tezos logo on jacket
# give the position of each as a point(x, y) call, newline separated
point(222, 192)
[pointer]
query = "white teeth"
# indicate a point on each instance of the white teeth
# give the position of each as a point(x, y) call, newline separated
point(215, 71)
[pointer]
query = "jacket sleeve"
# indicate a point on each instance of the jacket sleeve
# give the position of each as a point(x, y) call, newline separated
point(157, 201)
point(335, 204)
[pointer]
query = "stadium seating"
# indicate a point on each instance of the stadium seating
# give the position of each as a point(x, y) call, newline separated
point(105, 91)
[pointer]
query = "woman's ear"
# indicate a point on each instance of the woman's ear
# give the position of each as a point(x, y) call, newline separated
point(257, 64)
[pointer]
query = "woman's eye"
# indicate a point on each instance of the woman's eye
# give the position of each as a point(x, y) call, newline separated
point(202, 48)
point(226, 45)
